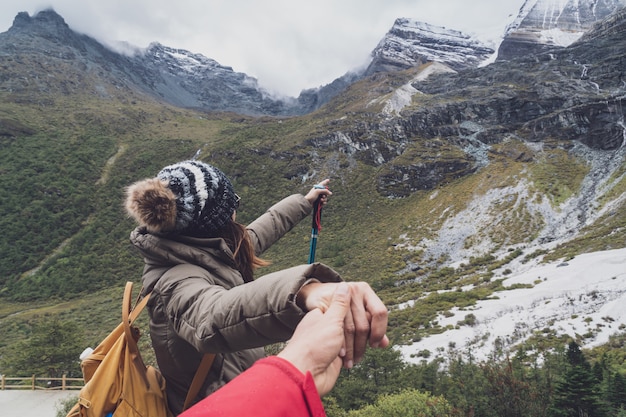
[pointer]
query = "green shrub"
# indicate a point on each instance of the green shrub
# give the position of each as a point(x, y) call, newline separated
point(407, 403)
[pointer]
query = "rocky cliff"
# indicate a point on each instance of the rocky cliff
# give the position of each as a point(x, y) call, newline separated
point(545, 24)
point(574, 94)
point(410, 43)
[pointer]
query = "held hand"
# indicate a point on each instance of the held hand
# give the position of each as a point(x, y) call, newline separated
point(315, 193)
point(317, 343)
point(365, 322)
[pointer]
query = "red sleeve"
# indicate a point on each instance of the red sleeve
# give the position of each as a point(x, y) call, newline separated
point(272, 387)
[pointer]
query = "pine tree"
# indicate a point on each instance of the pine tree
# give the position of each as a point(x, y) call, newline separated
point(577, 393)
point(616, 392)
point(380, 372)
point(467, 386)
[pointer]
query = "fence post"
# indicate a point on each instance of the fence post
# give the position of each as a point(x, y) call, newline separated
point(3, 382)
point(33, 384)
point(63, 383)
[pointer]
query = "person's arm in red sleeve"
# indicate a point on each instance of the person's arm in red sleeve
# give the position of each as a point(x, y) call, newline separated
point(272, 387)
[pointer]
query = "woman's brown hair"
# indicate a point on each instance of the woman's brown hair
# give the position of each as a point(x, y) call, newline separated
point(238, 240)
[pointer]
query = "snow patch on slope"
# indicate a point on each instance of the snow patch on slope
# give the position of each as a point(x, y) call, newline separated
point(403, 96)
point(585, 296)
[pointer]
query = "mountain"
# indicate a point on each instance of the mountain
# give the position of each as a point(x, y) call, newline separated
point(538, 97)
point(574, 96)
point(448, 177)
point(173, 75)
point(410, 43)
point(544, 24)
point(572, 99)
point(190, 80)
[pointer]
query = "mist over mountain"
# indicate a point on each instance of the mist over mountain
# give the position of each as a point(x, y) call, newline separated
point(190, 80)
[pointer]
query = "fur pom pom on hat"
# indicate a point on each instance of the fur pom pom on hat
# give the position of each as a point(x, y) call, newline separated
point(191, 198)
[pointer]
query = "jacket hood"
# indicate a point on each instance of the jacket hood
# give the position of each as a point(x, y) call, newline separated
point(165, 251)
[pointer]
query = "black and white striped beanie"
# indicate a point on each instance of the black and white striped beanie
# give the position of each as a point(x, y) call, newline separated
point(205, 198)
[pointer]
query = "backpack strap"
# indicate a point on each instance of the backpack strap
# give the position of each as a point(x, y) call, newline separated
point(198, 378)
point(139, 305)
point(130, 314)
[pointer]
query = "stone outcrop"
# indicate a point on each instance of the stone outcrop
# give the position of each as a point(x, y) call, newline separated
point(546, 24)
point(410, 43)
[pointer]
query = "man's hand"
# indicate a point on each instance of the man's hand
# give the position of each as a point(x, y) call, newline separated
point(317, 343)
point(365, 322)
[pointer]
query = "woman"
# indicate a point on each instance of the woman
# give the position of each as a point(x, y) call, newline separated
point(199, 265)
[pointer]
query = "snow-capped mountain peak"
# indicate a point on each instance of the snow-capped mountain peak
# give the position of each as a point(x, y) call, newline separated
point(542, 24)
point(410, 42)
point(184, 59)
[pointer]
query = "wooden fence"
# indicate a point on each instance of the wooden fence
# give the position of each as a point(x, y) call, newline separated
point(34, 383)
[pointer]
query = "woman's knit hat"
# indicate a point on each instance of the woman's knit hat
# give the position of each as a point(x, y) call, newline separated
point(191, 198)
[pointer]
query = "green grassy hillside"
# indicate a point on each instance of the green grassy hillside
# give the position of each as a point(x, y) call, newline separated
point(66, 159)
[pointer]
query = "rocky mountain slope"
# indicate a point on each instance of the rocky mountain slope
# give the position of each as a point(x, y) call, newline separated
point(175, 76)
point(572, 95)
point(410, 43)
point(543, 24)
point(561, 297)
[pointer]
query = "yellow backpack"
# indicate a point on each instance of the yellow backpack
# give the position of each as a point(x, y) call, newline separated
point(117, 381)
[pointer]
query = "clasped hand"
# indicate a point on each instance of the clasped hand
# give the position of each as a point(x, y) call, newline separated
point(365, 321)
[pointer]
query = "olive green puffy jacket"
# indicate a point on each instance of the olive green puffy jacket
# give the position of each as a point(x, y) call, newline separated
point(200, 302)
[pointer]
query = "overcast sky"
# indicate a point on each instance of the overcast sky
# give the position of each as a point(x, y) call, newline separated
point(288, 45)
